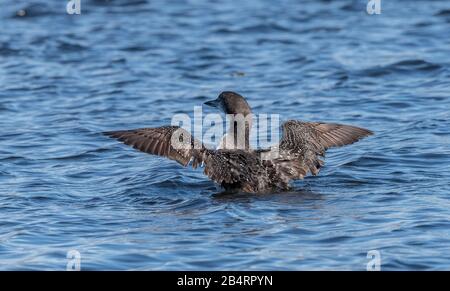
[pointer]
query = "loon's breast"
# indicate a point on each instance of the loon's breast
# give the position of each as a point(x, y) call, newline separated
point(227, 142)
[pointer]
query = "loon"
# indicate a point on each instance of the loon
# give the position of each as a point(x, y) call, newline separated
point(299, 151)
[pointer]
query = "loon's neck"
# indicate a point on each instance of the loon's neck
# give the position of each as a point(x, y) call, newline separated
point(238, 134)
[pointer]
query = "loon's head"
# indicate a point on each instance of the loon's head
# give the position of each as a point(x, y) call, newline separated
point(231, 103)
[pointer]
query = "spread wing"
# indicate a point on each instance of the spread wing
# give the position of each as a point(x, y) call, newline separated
point(318, 136)
point(226, 167)
point(303, 143)
point(172, 142)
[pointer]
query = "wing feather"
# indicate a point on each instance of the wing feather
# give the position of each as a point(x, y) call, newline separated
point(303, 143)
point(159, 141)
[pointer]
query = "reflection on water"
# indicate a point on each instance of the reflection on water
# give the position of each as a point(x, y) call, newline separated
point(297, 196)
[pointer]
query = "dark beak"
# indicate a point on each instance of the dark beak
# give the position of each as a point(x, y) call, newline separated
point(212, 103)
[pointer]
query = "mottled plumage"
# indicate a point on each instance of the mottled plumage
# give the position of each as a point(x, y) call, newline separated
point(298, 153)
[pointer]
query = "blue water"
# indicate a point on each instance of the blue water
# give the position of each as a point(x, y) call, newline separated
point(127, 64)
